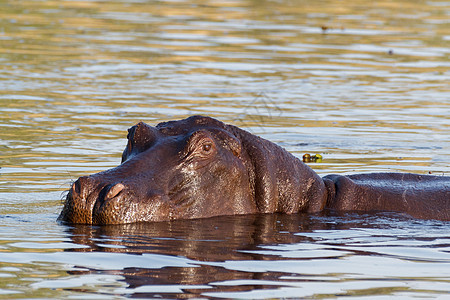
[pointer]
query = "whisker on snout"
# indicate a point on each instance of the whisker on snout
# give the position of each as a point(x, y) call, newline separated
point(64, 196)
point(64, 193)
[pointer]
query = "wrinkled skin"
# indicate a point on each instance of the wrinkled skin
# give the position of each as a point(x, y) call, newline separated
point(200, 167)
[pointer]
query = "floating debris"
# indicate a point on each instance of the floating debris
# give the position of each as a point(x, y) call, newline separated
point(312, 158)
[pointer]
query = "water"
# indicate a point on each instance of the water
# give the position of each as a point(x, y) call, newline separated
point(363, 84)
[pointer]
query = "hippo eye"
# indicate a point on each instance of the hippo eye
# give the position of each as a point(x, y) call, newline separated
point(207, 147)
point(200, 144)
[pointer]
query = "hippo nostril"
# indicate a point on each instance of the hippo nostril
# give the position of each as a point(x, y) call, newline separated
point(79, 187)
point(114, 191)
point(75, 188)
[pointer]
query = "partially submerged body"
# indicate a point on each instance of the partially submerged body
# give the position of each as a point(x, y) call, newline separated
point(421, 196)
point(200, 167)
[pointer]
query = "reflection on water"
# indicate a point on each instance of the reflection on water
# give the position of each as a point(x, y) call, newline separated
point(256, 256)
point(363, 84)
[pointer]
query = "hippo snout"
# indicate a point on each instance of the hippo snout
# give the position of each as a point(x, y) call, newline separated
point(87, 198)
point(114, 191)
point(87, 190)
point(85, 186)
point(93, 201)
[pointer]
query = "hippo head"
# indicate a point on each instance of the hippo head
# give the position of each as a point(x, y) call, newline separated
point(177, 170)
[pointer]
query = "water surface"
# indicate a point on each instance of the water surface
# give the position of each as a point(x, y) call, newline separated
point(363, 84)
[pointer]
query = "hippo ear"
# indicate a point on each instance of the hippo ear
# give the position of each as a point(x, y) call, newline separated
point(140, 137)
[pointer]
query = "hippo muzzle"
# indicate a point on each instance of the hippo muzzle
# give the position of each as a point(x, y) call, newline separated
point(94, 202)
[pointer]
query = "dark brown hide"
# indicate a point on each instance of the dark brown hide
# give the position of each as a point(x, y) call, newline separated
point(421, 196)
point(200, 167)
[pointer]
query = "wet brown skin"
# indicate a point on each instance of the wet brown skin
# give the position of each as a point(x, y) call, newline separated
point(200, 167)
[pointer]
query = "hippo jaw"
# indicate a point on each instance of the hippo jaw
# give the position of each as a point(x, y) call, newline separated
point(188, 171)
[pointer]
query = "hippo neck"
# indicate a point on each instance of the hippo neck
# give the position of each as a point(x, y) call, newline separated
point(330, 191)
point(280, 182)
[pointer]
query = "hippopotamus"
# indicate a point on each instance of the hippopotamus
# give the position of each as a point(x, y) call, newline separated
point(200, 167)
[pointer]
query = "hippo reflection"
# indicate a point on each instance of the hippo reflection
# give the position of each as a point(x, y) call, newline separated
point(200, 167)
point(209, 242)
